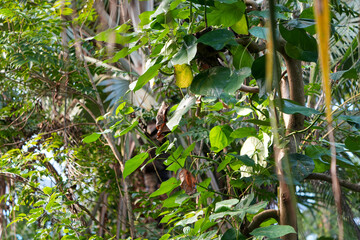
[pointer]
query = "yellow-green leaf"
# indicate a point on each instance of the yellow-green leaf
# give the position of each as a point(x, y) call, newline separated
point(241, 27)
point(183, 75)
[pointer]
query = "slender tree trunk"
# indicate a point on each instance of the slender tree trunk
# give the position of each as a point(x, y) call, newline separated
point(292, 88)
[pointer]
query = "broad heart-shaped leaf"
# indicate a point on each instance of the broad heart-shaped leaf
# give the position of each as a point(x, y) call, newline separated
point(183, 75)
point(187, 52)
point(216, 80)
point(220, 137)
point(183, 107)
point(226, 14)
point(218, 39)
point(241, 26)
point(259, 32)
point(147, 76)
point(273, 231)
point(291, 107)
point(132, 164)
point(301, 166)
point(299, 44)
point(308, 15)
point(241, 57)
point(166, 187)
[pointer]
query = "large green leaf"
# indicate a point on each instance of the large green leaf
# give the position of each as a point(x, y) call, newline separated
point(217, 80)
point(273, 231)
point(241, 57)
point(259, 32)
point(301, 166)
point(147, 76)
point(187, 52)
point(218, 39)
point(291, 107)
point(220, 137)
point(132, 164)
point(166, 187)
point(299, 44)
point(352, 143)
point(226, 14)
point(243, 132)
point(308, 15)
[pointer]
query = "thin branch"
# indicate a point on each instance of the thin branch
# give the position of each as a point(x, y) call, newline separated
point(261, 217)
point(245, 88)
point(324, 177)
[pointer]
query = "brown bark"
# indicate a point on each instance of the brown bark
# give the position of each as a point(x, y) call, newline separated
point(293, 89)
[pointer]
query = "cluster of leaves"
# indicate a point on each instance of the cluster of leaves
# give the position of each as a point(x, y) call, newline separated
point(220, 137)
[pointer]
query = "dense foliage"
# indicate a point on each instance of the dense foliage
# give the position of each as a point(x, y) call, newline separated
point(123, 120)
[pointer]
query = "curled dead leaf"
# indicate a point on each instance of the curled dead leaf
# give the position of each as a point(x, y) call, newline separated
point(188, 181)
point(161, 120)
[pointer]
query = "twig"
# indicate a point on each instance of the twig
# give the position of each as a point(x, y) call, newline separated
point(321, 176)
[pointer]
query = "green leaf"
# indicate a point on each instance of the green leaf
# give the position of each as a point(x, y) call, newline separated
point(301, 166)
point(147, 76)
point(352, 120)
point(241, 57)
point(183, 107)
point(347, 74)
point(233, 234)
point(244, 159)
point(291, 107)
point(299, 44)
point(308, 15)
point(243, 132)
point(126, 130)
point(166, 187)
point(120, 107)
point(220, 137)
point(226, 15)
point(132, 164)
point(241, 26)
point(273, 231)
point(91, 138)
point(47, 190)
point(121, 54)
point(165, 237)
point(352, 143)
point(259, 32)
point(217, 80)
point(187, 52)
point(226, 204)
point(218, 39)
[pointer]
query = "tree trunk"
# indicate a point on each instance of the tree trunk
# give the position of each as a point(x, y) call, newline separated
point(291, 88)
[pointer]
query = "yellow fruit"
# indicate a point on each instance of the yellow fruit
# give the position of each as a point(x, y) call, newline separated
point(183, 75)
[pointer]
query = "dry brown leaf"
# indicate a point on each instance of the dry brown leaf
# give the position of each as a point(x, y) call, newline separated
point(188, 181)
point(161, 121)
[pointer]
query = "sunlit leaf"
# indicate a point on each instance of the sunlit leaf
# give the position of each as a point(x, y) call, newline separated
point(273, 231)
point(183, 75)
point(132, 164)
